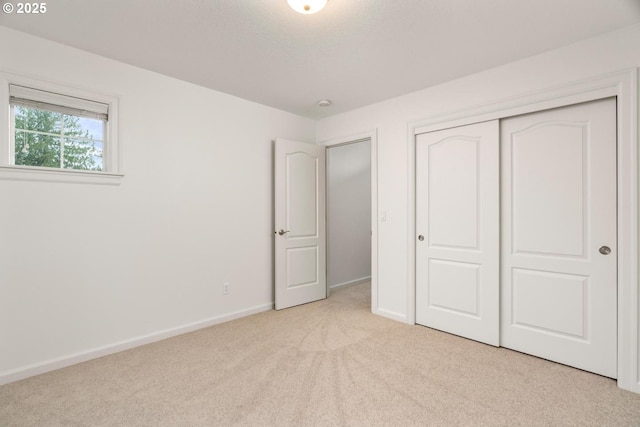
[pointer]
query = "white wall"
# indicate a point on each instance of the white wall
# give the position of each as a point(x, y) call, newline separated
point(610, 52)
point(86, 267)
point(348, 212)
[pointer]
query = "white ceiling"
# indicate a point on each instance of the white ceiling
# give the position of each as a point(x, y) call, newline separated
point(354, 52)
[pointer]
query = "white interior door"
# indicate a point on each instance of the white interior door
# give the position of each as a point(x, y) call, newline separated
point(300, 236)
point(559, 235)
point(457, 222)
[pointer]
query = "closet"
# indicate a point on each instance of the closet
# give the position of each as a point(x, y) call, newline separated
point(516, 233)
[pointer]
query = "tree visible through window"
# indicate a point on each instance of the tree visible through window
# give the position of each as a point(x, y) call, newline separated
point(57, 140)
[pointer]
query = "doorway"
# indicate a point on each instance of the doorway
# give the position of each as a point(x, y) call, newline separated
point(348, 214)
point(371, 138)
point(299, 199)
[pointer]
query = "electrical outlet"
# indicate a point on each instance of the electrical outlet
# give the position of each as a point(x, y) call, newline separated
point(226, 288)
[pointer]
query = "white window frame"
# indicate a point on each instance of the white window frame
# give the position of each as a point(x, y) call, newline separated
point(111, 173)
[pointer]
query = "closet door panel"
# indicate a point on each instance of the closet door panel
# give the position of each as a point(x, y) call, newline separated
point(559, 235)
point(457, 211)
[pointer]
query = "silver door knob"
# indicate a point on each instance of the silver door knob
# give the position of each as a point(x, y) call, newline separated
point(605, 250)
point(421, 237)
point(282, 232)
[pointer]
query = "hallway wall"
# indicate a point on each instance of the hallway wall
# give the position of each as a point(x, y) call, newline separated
point(348, 213)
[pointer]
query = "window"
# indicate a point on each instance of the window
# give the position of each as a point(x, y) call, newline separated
point(58, 133)
point(44, 134)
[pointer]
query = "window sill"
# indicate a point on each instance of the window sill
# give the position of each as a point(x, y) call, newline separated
point(28, 173)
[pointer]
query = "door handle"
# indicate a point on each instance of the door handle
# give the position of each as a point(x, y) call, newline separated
point(282, 232)
point(604, 250)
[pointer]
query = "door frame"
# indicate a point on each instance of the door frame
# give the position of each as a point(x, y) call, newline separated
point(372, 136)
point(624, 86)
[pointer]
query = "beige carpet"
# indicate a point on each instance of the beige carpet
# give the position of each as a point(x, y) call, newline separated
point(326, 363)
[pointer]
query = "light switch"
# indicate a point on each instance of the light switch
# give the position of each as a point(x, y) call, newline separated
point(383, 216)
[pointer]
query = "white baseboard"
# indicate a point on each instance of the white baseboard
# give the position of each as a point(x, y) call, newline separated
point(351, 282)
point(83, 356)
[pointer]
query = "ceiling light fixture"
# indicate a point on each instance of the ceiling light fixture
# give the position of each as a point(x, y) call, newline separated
point(307, 7)
point(324, 103)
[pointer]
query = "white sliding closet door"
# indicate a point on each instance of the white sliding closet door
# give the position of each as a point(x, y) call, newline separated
point(457, 214)
point(559, 235)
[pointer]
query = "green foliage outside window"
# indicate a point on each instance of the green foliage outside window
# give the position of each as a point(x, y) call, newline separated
point(55, 140)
